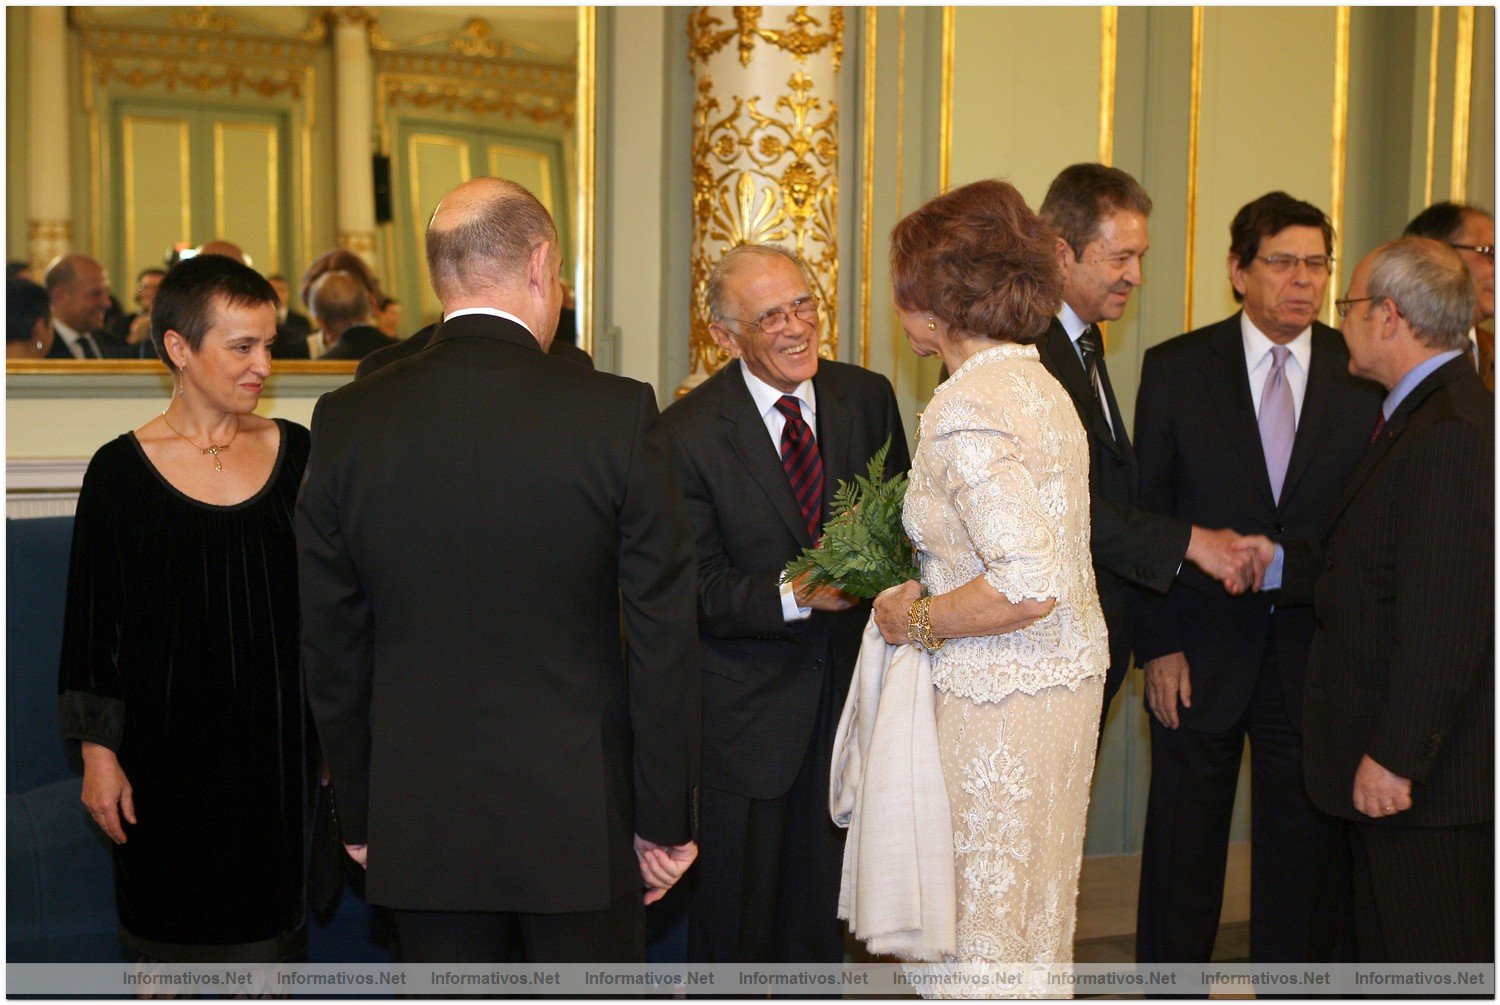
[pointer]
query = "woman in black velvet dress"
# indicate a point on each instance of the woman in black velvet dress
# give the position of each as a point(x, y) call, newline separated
point(180, 669)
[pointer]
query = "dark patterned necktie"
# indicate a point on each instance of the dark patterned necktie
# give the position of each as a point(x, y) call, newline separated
point(803, 463)
point(1091, 347)
point(1379, 425)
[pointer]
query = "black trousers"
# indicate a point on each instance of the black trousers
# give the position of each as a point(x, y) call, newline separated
point(1424, 894)
point(614, 935)
point(767, 876)
point(1300, 891)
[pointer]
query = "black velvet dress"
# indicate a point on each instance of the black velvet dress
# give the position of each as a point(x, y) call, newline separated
point(180, 653)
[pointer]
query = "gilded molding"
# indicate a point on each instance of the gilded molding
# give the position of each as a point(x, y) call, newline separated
point(474, 41)
point(1434, 50)
point(553, 78)
point(204, 19)
point(189, 45)
point(1340, 152)
point(788, 194)
point(1463, 82)
point(197, 75)
point(867, 185)
point(476, 98)
point(1195, 104)
point(1109, 41)
point(584, 225)
point(362, 242)
point(797, 38)
point(945, 100)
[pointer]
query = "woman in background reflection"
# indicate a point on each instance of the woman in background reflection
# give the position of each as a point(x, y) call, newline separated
point(998, 508)
point(28, 320)
point(180, 670)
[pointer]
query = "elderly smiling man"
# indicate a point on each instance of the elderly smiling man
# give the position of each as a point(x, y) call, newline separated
point(760, 447)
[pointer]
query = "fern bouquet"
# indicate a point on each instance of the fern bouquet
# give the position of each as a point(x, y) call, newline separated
point(864, 549)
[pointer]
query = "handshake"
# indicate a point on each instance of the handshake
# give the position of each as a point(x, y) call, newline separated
point(1238, 561)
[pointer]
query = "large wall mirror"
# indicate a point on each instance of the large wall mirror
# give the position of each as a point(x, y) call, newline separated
point(287, 131)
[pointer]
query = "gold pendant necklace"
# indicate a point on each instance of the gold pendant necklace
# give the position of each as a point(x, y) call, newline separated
point(213, 449)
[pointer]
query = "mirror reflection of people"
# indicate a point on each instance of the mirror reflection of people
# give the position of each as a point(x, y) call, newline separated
point(341, 305)
point(1470, 231)
point(388, 318)
point(180, 672)
point(132, 332)
point(338, 260)
point(28, 320)
point(998, 507)
point(79, 288)
point(292, 327)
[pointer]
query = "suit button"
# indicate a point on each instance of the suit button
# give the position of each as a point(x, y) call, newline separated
point(1118, 463)
point(817, 664)
point(1279, 528)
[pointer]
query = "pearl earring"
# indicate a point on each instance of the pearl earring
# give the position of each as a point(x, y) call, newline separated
point(931, 323)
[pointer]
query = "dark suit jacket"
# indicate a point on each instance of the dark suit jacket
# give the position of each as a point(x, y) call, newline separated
point(1130, 545)
point(477, 528)
point(291, 338)
point(416, 342)
point(1201, 460)
point(1403, 663)
point(761, 674)
point(358, 342)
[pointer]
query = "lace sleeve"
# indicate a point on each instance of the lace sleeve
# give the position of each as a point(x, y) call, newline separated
point(1002, 510)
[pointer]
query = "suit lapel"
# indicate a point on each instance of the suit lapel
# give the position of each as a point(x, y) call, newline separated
point(1230, 383)
point(1325, 375)
point(1067, 367)
point(746, 432)
point(1395, 426)
point(835, 438)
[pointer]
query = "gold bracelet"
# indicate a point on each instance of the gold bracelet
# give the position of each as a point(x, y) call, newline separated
point(919, 625)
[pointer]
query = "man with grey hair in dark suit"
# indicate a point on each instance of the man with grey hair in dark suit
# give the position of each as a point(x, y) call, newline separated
point(760, 447)
point(1400, 702)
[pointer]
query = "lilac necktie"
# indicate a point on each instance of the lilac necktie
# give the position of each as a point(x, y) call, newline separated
point(1278, 420)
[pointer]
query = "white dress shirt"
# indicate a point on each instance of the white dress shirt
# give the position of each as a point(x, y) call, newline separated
point(1258, 363)
point(765, 397)
point(492, 312)
point(1075, 326)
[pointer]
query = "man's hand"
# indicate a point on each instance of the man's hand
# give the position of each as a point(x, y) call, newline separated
point(821, 598)
point(891, 610)
point(662, 865)
point(106, 791)
point(1220, 554)
point(1166, 682)
point(140, 329)
point(1379, 792)
point(1264, 551)
point(359, 852)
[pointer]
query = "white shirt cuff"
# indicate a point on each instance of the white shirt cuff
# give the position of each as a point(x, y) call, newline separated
point(789, 609)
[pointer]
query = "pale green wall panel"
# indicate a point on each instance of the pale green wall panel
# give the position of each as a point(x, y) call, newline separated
point(157, 177)
point(17, 96)
point(1023, 111)
point(435, 165)
point(1266, 123)
point(1482, 112)
point(248, 184)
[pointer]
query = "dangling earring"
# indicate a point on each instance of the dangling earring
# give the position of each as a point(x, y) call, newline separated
point(931, 323)
point(38, 345)
point(182, 383)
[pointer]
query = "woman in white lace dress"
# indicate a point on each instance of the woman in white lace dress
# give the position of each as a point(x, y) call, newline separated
point(998, 507)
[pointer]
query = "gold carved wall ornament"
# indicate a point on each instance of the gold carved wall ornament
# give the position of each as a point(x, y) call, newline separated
point(765, 158)
point(798, 37)
point(204, 19)
point(477, 99)
point(201, 76)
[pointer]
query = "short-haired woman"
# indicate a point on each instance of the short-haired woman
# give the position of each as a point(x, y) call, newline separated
point(180, 672)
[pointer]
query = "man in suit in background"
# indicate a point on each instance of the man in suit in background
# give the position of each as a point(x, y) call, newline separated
point(479, 529)
point(1400, 705)
point(1252, 423)
point(1100, 215)
point(130, 334)
point(760, 447)
point(1471, 232)
point(292, 328)
point(79, 288)
point(341, 303)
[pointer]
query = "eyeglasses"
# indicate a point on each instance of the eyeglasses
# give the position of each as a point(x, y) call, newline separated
point(774, 321)
point(1342, 306)
point(1487, 250)
point(1281, 264)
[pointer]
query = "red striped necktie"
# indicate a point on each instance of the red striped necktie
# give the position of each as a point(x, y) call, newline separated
point(803, 463)
point(1379, 425)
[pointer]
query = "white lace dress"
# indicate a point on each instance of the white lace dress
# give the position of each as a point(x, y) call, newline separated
point(999, 488)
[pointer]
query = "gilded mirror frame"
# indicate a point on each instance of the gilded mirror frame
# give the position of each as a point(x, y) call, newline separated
point(584, 235)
